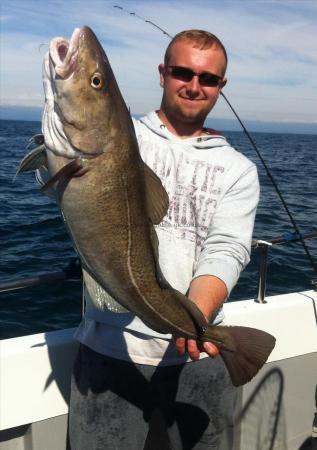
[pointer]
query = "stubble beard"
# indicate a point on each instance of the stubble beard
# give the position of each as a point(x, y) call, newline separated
point(177, 113)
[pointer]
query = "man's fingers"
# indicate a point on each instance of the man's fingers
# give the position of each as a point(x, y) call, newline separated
point(180, 345)
point(193, 350)
point(211, 349)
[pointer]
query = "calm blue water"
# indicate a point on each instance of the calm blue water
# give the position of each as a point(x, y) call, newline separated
point(33, 238)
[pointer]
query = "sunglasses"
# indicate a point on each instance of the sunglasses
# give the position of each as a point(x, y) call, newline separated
point(186, 75)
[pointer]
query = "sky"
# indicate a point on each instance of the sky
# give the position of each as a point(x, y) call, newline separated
point(271, 45)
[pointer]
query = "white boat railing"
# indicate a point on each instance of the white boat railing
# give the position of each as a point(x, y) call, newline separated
point(263, 247)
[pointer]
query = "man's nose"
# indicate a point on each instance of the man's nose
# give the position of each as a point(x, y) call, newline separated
point(193, 86)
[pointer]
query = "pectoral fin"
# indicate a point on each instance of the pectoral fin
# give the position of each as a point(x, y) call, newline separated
point(33, 160)
point(64, 174)
point(156, 196)
point(37, 139)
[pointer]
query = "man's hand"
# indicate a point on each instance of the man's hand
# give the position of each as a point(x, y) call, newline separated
point(194, 348)
point(209, 293)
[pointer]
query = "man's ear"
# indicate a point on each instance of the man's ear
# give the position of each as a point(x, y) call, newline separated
point(161, 72)
point(223, 83)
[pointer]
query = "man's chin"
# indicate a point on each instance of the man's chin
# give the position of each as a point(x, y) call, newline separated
point(192, 117)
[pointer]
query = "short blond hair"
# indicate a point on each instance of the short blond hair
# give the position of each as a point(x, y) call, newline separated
point(202, 40)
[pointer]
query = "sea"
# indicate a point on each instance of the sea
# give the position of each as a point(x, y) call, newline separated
point(33, 238)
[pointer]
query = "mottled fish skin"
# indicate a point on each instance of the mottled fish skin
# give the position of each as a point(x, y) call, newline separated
point(111, 205)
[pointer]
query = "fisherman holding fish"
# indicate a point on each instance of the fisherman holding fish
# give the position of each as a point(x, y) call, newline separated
point(162, 239)
point(135, 375)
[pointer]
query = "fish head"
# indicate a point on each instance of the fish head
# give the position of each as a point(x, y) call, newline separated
point(82, 91)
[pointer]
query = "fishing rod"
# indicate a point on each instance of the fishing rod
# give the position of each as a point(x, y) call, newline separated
point(287, 238)
point(297, 233)
point(71, 272)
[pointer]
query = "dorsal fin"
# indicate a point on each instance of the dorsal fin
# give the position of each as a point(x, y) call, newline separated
point(156, 196)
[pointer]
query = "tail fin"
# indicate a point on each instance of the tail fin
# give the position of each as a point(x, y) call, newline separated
point(247, 353)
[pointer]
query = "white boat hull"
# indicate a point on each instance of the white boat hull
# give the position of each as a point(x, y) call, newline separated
point(279, 404)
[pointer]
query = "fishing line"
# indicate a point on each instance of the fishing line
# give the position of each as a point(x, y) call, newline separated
point(268, 172)
point(144, 20)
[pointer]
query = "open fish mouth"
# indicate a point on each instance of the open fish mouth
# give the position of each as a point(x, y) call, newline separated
point(64, 54)
point(69, 120)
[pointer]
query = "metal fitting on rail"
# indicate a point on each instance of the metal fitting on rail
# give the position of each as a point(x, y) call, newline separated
point(263, 246)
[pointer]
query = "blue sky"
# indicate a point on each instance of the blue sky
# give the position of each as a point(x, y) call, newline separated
point(271, 46)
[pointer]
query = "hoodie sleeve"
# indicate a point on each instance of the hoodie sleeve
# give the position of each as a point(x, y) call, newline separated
point(226, 249)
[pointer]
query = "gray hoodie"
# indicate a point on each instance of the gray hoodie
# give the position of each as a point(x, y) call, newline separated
point(213, 192)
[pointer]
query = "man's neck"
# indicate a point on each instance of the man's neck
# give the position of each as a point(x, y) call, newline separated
point(179, 128)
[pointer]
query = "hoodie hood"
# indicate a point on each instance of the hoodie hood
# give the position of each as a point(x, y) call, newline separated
point(212, 140)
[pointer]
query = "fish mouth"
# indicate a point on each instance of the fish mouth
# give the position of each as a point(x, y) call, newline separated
point(69, 120)
point(64, 53)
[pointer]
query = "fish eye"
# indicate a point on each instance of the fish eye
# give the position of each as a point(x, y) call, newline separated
point(96, 81)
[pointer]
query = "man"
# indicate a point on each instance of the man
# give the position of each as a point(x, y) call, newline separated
point(134, 387)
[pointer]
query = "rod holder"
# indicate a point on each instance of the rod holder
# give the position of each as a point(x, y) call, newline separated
point(264, 249)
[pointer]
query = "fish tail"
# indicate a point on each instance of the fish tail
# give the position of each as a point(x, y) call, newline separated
point(244, 350)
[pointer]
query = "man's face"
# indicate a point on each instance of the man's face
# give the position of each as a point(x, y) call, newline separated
point(190, 102)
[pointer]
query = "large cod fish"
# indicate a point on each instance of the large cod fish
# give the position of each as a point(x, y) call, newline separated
point(110, 200)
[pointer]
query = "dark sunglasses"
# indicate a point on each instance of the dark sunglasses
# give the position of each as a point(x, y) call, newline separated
point(186, 75)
